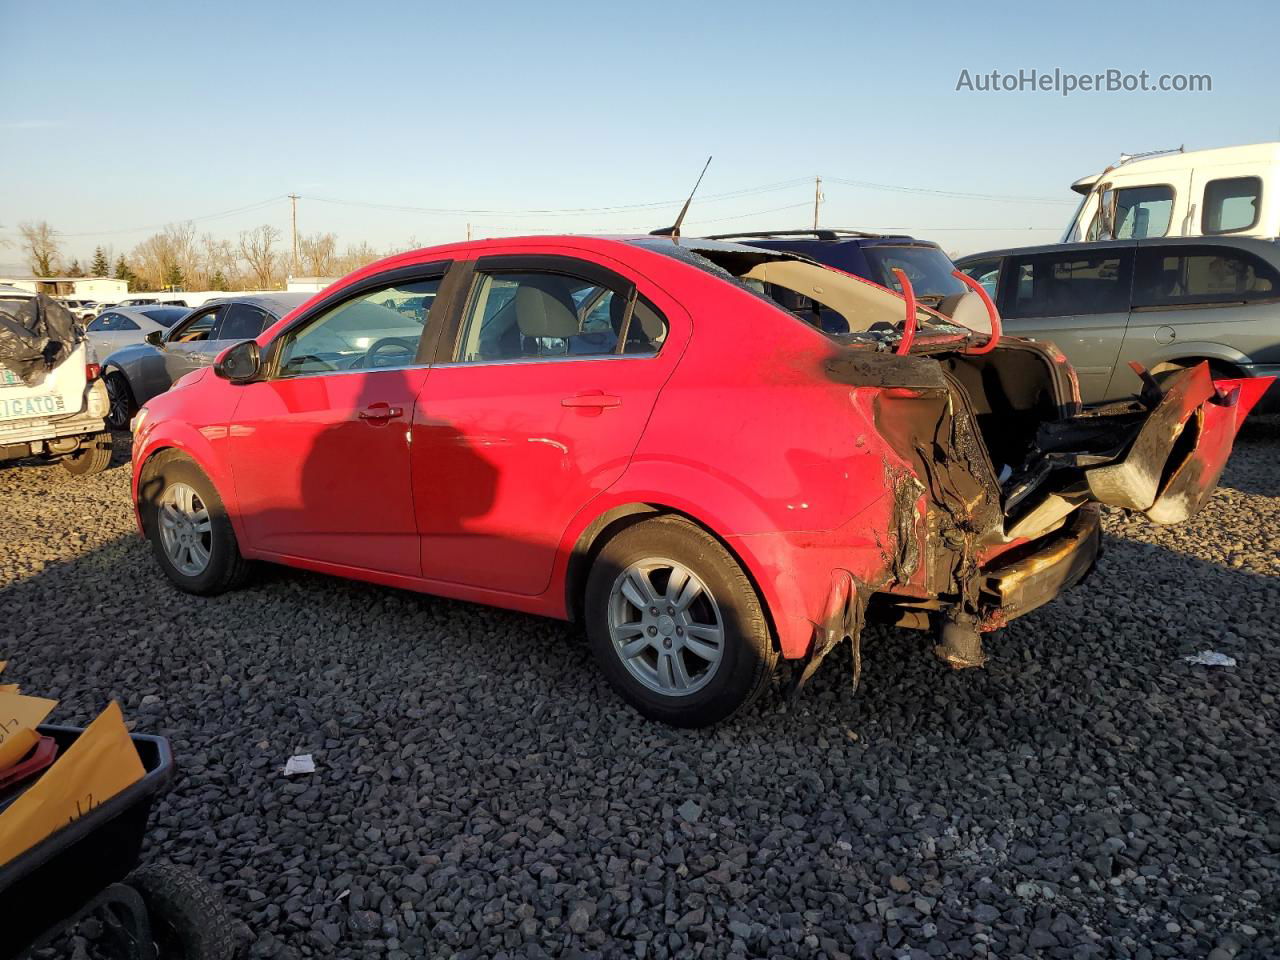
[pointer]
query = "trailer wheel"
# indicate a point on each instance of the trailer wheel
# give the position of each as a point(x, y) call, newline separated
point(189, 921)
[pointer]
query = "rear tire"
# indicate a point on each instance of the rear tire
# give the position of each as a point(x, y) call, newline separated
point(188, 919)
point(191, 535)
point(94, 456)
point(122, 406)
point(718, 633)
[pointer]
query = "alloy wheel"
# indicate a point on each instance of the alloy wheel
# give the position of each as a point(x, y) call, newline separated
point(186, 531)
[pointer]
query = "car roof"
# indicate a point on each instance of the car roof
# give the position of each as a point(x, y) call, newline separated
point(275, 303)
point(860, 237)
point(1268, 249)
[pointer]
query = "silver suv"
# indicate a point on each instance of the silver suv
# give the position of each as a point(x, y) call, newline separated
point(1164, 303)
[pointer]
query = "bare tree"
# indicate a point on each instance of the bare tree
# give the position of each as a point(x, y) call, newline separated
point(357, 256)
point(163, 257)
point(41, 245)
point(257, 249)
point(220, 261)
point(318, 253)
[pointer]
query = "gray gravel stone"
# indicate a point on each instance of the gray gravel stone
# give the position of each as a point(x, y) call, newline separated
point(480, 792)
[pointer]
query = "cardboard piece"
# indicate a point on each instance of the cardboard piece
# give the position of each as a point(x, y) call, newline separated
point(16, 746)
point(101, 763)
point(10, 688)
point(19, 714)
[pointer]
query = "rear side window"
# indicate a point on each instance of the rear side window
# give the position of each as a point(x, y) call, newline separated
point(547, 315)
point(242, 322)
point(1172, 276)
point(1231, 204)
point(1058, 285)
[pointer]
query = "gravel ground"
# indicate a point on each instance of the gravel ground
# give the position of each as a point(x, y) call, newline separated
point(481, 793)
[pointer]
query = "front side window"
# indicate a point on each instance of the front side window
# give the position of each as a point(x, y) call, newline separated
point(1172, 276)
point(1143, 212)
point(1231, 204)
point(199, 327)
point(1076, 284)
point(986, 272)
point(375, 330)
point(529, 316)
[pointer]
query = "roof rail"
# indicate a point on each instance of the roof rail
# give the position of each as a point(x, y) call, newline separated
point(818, 234)
point(1128, 157)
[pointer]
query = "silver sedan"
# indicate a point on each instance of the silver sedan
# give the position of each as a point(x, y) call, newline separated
point(139, 372)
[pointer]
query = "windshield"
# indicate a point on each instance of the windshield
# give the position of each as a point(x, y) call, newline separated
point(928, 269)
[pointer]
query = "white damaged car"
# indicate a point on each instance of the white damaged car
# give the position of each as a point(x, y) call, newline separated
point(52, 402)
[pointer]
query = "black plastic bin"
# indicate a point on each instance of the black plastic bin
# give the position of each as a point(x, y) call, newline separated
point(50, 884)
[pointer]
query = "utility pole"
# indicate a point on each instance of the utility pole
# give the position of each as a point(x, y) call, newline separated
point(293, 199)
point(468, 232)
point(817, 200)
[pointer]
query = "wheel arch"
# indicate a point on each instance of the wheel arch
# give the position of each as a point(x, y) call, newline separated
point(196, 449)
point(614, 520)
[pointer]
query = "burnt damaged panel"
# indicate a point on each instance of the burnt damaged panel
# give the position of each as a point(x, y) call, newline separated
point(858, 368)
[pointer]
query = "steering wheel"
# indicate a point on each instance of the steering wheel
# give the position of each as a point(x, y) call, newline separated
point(387, 344)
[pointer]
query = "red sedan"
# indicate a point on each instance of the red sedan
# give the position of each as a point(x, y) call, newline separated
point(715, 456)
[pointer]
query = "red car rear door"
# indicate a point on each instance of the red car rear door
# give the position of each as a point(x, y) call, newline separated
point(539, 401)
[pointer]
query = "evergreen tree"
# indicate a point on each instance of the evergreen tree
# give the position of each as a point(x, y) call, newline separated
point(173, 278)
point(219, 282)
point(99, 267)
point(124, 273)
point(74, 270)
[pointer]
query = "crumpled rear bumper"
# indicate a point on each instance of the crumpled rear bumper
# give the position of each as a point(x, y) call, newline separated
point(1031, 576)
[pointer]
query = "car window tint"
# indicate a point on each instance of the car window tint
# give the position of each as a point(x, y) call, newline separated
point(528, 316)
point(1143, 211)
point(647, 329)
point(1059, 285)
point(376, 330)
point(1184, 275)
point(198, 327)
point(243, 321)
point(1231, 204)
point(124, 323)
point(986, 272)
point(98, 325)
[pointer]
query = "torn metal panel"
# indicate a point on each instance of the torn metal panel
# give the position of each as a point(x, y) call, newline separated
point(844, 617)
point(1134, 482)
point(866, 368)
point(35, 336)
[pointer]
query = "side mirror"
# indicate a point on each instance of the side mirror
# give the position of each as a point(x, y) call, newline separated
point(155, 338)
point(239, 363)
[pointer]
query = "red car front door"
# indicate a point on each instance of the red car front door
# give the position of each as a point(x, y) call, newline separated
point(320, 450)
point(537, 410)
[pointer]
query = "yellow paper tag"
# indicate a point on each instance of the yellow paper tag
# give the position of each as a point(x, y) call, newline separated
point(16, 746)
point(101, 763)
point(17, 711)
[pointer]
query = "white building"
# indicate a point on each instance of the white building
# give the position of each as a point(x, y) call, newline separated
point(103, 289)
point(308, 284)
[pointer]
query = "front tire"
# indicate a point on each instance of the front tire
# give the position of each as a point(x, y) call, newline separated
point(189, 921)
point(676, 625)
point(191, 535)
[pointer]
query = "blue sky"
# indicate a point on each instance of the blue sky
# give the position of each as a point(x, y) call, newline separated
point(131, 115)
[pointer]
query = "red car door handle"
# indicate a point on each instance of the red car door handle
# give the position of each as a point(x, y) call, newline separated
point(598, 401)
point(380, 411)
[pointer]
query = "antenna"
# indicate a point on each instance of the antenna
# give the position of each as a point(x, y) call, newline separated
point(673, 231)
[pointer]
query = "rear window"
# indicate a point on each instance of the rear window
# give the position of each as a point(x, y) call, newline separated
point(165, 316)
point(928, 269)
point(1171, 276)
point(1059, 285)
point(1231, 204)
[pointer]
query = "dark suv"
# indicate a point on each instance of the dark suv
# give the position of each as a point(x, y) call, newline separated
point(872, 256)
point(1165, 303)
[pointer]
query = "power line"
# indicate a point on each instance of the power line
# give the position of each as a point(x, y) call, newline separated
point(160, 226)
point(955, 194)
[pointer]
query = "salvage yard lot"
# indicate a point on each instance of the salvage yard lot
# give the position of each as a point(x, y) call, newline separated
point(480, 790)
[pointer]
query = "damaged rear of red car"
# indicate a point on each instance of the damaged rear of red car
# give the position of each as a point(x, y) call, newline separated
point(945, 478)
